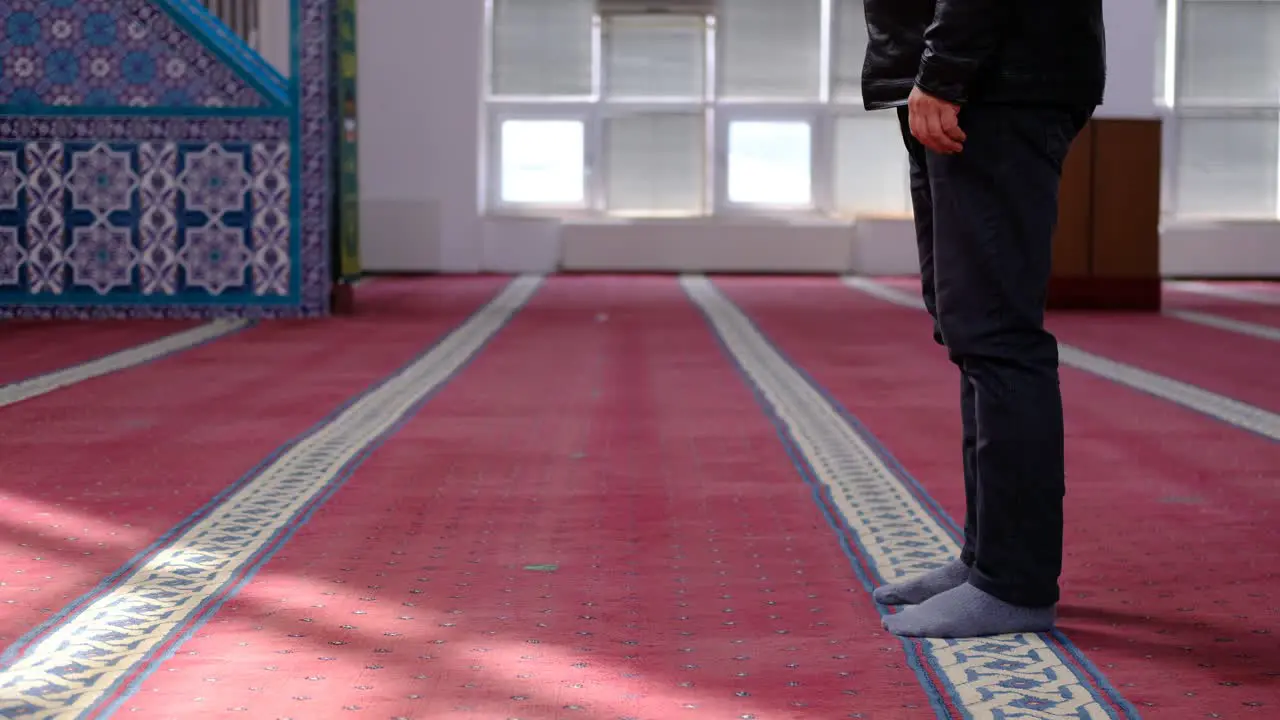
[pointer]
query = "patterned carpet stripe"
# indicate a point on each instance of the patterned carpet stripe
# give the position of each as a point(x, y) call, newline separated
point(82, 664)
point(897, 536)
point(595, 520)
point(1260, 293)
point(1155, 494)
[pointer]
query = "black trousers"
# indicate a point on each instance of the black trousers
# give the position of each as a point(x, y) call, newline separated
point(984, 220)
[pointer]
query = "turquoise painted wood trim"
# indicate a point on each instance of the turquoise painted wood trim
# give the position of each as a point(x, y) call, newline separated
point(295, 155)
point(228, 47)
point(234, 42)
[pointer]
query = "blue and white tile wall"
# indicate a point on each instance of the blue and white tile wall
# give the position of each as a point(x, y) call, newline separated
point(150, 166)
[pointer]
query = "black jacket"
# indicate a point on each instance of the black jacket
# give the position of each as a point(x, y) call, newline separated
point(999, 51)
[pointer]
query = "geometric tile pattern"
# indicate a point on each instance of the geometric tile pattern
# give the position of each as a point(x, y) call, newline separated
point(312, 148)
point(1229, 410)
point(108, 53)
point(79, 665)
point(1023, 676)
point(114, 219)
point(218, 209)
point(269, 198)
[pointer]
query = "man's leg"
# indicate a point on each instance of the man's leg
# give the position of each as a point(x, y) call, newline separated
point(995, 205)
point(954, 573)
point(922, 214)
point(969, 457)
point(922, 204)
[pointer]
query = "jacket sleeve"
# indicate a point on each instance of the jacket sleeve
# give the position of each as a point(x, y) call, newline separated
point(963, 35)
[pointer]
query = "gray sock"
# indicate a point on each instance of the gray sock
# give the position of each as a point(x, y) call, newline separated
point(922, 587)
point(966, 612)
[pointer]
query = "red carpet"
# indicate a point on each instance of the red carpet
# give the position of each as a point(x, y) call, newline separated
point(595, 518)
point(1172, 582)
point(30, 348)
point(1220, 361)
point(1260, 313)
point(94, 473)
point(592, 520)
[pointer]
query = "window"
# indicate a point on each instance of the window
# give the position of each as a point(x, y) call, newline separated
point(542, 48)
point(654, 164)
point(770, 49)
point(849, 50)
point(655, 57)
point(1230, 52)
point(542, 162)
point(1221, 81)
point(769, 163)
point(755, 109)
point(1227, 166)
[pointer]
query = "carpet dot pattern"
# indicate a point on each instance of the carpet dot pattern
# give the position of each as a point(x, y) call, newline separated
point(596, 518)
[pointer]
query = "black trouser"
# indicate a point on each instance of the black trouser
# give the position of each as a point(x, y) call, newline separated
point(985, 219)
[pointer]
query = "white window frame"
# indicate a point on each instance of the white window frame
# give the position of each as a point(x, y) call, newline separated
point(1174, 109)
point(822, 114)
point(500, 113)
point(593, 110)
point(771, 112)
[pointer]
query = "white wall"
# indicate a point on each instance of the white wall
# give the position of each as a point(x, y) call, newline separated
point(420, 122)
point(1131, 58)
point(419, 85)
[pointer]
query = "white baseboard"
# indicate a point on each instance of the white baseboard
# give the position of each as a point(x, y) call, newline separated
point(1220, 250)
point(885, 246)
point(520, 245)
point(871, 246)
point(707, 246)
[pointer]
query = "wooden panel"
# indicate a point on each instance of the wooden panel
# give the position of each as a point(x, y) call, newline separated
point(1126, 198)
point(1103, 293)
point(1071, 243)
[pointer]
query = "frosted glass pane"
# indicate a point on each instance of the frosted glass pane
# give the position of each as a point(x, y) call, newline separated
point(656, 163)
point(1227, 167)
point(655, 57)
point(1231, 51)
point(541, 47)
point(849, 50)
point(871, 165)
point(769, 163)
point(543, 161)
point(770, 48)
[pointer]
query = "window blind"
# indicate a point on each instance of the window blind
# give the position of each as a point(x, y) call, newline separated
point(769, 49)
point(655, 56)
point(1227, 167)
point(848, 50)
point(870, 165)
point(1230, 51)
point(542, 47)
point(655, 163)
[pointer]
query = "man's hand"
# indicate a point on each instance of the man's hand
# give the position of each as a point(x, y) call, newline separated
point(935, 123)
